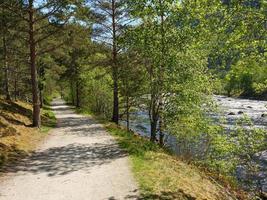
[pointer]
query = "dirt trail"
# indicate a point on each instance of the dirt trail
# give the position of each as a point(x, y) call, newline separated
point(79, 161)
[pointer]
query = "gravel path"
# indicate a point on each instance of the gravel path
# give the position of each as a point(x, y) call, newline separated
point(79, 161)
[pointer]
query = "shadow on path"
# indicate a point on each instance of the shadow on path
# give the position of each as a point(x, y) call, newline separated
point(180, 194)
point(66, 159)
point(62, 160)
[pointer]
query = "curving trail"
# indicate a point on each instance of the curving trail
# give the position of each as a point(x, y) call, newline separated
point(78, 161)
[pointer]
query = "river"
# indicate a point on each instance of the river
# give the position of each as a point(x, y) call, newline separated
point(231, 109)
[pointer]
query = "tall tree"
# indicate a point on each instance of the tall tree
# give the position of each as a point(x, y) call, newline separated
point(43, 19)
point(132, 82)
point(5, 53)
point(7, 21)
point(111, 20)
point(153, 41)
point(78, 50)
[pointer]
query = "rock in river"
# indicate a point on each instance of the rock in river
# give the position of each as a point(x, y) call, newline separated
point(231, 113)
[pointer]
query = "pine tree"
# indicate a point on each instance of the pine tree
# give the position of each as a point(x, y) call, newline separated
point(38, 18)
point(111, 18)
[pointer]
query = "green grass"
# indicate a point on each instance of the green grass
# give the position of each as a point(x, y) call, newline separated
point(86, 112)
point(161, 175)
point(48, 119)
point(83, 111)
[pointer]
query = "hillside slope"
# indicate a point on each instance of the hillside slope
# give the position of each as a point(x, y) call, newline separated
point(17, 137)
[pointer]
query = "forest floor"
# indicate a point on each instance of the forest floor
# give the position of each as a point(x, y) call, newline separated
point(79, 160)
point(17, 137)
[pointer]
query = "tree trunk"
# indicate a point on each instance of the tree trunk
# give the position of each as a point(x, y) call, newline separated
point(153, 118)
point(61, 92)
point(34, 79)
point(160, 113)
point(153, 132)
point(161, 76)
point(16, 81)
point(77, 95)
point(72, 93)
point(127, 113)
point(15, 86)
point(41, 99)
point(6, 69)
point(161, 134)
point(115, 115)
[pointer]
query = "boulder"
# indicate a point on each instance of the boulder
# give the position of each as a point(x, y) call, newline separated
point(261, 156)
point(231, 113)
point(241, 172)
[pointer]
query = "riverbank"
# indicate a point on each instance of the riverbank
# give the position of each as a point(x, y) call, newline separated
point(231, 114)
point(162, 175)
point(232, 110)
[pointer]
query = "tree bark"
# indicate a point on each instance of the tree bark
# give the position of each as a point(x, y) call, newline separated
point(161, 75)
point(161, 134)
point(153, 114)
point(77, 95)
point(127, 113)
point(16, 86)
point(61, 91)
point(153, 131)
point(41, 98)
point(6, 66)
point(115, 115)
point(34, 79)
point(72, 93)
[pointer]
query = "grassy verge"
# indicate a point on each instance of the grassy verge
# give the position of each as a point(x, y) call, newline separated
point(161, 175)
point(83, 111)
point(49, 120)
point(17, 137)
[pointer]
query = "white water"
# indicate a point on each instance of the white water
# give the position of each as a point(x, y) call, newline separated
point(231, 109)
point(235, 108)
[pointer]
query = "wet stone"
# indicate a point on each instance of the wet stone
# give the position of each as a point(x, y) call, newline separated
point(241, 172)
point(262, 156)
point(264, 185)
point(231, 113)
